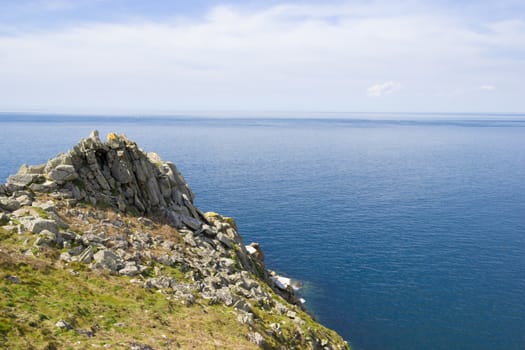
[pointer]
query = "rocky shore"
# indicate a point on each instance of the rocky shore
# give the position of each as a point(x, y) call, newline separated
point(110, 208)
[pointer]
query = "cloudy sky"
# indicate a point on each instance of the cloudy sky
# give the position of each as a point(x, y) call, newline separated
point(161, 56)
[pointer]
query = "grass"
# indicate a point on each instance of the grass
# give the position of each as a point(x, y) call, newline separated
point(116, 310)
point(41, 213)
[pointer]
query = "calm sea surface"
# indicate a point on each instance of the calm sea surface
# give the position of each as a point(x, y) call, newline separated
point(406, 234)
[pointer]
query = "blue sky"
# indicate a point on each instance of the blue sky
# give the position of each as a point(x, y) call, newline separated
point(160, 56)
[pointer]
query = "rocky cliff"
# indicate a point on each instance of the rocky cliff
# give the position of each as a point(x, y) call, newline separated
point(104, 247)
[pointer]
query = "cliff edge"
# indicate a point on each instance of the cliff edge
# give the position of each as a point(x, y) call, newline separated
point(103, 247)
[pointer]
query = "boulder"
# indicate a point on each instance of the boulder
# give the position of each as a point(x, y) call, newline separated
point(86, 256)
point(106, 259)
point(63, 173)
point(46, 238)
point(37, 225)
point(19, 181)
point(129, 270)
point(9, 204)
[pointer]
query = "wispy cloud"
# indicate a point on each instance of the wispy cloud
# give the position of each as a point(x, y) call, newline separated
point(298, 57)
point(487, 88)
point(383, 89)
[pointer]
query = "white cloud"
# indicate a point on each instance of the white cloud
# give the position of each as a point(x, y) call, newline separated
point(487, 88)
point(295, 57)
point(383, 89)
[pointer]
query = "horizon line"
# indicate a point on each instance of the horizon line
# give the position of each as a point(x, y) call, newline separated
point(249, 114)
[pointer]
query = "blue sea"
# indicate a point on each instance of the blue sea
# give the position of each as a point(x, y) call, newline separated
point(408, 231)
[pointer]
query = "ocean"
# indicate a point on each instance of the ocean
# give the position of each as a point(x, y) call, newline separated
point(407, 232)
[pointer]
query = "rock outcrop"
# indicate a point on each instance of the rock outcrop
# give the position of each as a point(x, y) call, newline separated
point(113, 207)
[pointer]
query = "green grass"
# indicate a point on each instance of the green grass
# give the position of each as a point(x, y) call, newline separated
point(41, 212)
point(119, 311)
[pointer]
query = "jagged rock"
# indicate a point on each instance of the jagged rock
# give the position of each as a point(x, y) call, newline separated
point(245, 318)
point(19, 181)
point(9, 204)
point(86, 256)
point(47, 237)
point(65, 256)
point(281, 308)
point(256, 338)
point(291, 314)
point(63, 173)
point(224, 294)
point(47, 206)
point(160, 283)
point(129, 270)
point(139, 346)
point(106, 259)
point(90, 239)
point(37, 225)
point(24, 200)
point(46, 187)
point(224, 240)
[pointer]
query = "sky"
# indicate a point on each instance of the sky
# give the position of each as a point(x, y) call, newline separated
point(160, 56)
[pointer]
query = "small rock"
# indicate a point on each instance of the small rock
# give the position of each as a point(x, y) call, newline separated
point(256, 338)
point(47, 206)
point(146, 222)
point(63, 324)
point(24, 200)
point(13, 279)
point(46, 238)
point(129, 270)
point(245, 318)
point(139, 346)
point(281, 308)
point(291, 314)
point(65, 256)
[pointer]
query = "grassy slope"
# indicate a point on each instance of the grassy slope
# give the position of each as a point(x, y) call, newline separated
point(118, 311)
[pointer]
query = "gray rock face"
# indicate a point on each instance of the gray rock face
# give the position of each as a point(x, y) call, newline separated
point(119, 174)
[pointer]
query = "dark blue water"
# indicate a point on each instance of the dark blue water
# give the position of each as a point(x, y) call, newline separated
point(407, 234)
